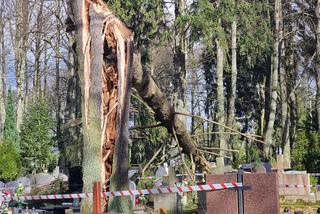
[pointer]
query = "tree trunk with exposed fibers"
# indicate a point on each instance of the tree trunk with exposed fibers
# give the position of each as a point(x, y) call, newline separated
point(273, 83)
point(105, 82)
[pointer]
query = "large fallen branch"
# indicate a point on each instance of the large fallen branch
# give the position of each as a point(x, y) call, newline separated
point(164, 112)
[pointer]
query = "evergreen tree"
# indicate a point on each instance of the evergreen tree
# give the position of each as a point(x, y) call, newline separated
point(37, 138)
point(10, 132)
point(10, 161)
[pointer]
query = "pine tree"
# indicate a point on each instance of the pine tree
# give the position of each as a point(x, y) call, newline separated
point(37, 138)
point(10, 161)
point(10, 132)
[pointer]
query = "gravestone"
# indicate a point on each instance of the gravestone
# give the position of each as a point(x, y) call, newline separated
point(63, 177)
point(261, 197)
point(55, 173)
point(220, 167)
point(293, 178)
point(26, 182)
point(43, 179)
point(162, 171)
point(132, 186)
point(12, 186)
point(167, 201)
point(2, 185)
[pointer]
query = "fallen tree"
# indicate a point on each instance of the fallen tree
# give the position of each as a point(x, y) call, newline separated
point(164, 112)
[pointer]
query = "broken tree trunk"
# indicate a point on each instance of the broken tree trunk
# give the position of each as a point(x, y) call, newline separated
point(104, 53)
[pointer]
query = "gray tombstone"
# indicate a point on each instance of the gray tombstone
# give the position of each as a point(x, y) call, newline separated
point(26, 182)
point(43, 179)
point(2, 185)
point(12, 186)
point(63, 177)
point(167, 201)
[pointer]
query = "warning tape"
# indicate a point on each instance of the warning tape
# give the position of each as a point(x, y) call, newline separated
point(195, 188)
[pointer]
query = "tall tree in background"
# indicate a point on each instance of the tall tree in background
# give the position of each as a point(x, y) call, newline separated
point(220, 96)
point(20, 47)
point(38, 50)
point(3, 65)
point(273, 80)
point(317, 12)
point(180, 82)
point(283, 75)
point(10, 132)
point(234, 75)
point(57, 74)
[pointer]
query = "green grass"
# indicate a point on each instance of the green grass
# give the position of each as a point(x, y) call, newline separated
point(299, 204)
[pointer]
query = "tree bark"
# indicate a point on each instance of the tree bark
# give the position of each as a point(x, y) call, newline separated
point(21, 43)
point(91, 128)
point(233, 82)
point(57, 80)
point(262, 101)
point(273, 83)
point(105, 102)
point(38, 51)
point(2, 71)
point(285, 140)
point(318, 63)
point(293, 105)
point(220, 96)
point(180, 83)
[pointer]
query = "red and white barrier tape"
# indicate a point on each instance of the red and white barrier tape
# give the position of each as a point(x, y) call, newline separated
point(196, 188)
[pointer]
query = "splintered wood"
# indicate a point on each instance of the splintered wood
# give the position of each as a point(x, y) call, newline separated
point(115, 76)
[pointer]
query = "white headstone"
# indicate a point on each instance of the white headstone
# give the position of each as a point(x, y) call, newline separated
point(56, 172)
point(162, 171)
point(132, 186)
